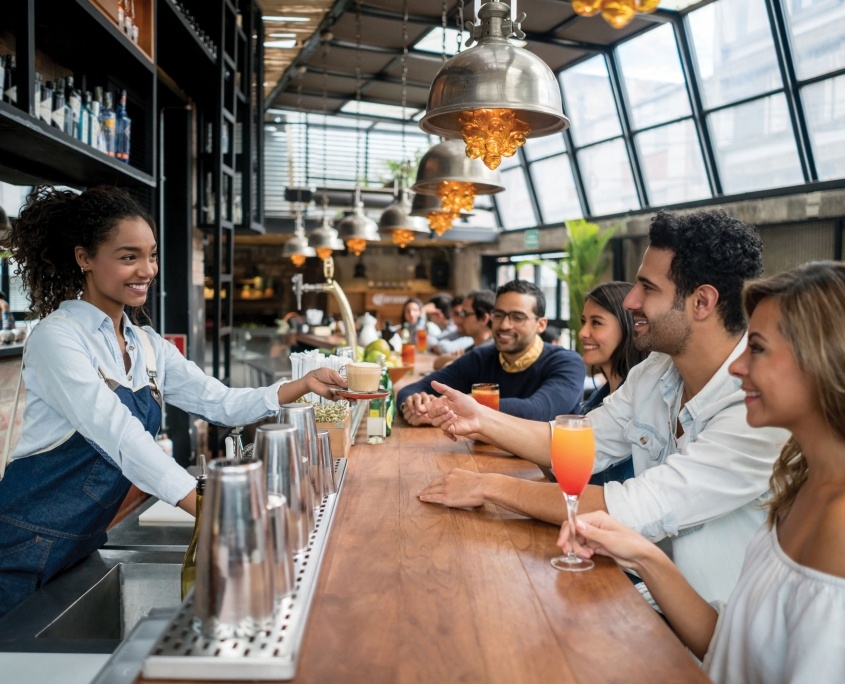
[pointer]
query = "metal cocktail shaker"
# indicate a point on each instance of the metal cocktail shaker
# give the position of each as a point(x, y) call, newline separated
point(326, 462)
point(279, 521)
point(234, 595)
point(287, 475)
point(301, 416)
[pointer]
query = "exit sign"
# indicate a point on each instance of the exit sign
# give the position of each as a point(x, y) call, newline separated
point(532, 239)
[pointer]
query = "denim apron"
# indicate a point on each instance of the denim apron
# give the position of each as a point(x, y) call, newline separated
point(55, 506)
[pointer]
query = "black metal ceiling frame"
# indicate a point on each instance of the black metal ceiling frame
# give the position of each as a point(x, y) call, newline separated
point(791, 87)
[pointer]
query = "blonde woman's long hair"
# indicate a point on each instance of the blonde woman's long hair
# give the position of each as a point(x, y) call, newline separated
point(811, 302)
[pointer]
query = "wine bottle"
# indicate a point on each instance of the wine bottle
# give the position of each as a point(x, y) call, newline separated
point(189, 564)
point(73, 102)
point(83, 132)
point(96, 127)
point(10, 80)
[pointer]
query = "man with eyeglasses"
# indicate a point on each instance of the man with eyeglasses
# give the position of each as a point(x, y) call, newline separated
point(473, 320)
point(536, 380)
point(700, 471)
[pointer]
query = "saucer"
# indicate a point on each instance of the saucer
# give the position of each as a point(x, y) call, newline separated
point(380, 393)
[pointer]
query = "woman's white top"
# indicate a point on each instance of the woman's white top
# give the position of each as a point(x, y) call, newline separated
point(65, 393)
point(783, 623)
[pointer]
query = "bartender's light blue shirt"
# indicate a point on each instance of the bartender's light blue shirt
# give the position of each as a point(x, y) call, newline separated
point(65, 393)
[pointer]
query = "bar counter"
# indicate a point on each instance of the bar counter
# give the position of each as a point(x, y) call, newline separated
point(414, 592)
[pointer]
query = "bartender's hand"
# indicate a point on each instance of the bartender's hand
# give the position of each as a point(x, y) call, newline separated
point(456, 413)
point(320, 381)
point(457, 489)
point(413, 408)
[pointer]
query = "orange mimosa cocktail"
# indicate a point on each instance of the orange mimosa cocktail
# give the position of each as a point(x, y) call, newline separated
point(573, 454)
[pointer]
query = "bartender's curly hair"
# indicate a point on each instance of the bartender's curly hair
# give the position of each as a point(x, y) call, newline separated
point(51, 225)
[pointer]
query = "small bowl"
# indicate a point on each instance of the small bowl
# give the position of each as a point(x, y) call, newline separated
point(398, 372)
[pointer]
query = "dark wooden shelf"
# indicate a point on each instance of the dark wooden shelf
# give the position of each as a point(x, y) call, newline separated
point(32, 152)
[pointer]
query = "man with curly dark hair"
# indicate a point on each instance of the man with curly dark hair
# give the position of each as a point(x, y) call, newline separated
point(700, 471)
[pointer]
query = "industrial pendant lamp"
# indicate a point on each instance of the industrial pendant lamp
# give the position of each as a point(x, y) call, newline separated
point(447, 172)
point(431, 208)
point(324, 238)
point(494, 95)
point(357, 229)
point(396, 219)
point(617, 13)
point(297, 248)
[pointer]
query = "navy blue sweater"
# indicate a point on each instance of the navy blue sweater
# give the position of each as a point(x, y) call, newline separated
point(551, 386)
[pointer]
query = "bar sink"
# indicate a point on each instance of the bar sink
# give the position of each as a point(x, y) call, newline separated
point(94, 606)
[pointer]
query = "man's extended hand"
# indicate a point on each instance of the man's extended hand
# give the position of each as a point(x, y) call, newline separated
point(458, 489)
point(456, 413)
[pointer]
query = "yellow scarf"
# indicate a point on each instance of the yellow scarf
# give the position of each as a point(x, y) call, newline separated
point(524, 361)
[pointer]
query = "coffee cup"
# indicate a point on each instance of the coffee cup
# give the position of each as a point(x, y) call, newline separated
point(362, 377)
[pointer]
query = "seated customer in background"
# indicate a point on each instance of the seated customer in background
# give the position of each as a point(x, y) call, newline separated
point(473, 319)
point(456, 341)
point(785, 621)
point(438, 310)
point(536, 380)
point(700, 470)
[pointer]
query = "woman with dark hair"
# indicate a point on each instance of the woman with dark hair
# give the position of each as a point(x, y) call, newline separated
point(783, 622)
point(95, 382)
point(607, 334)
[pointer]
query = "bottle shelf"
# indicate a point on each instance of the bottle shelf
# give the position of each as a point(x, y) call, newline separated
point(32, 151)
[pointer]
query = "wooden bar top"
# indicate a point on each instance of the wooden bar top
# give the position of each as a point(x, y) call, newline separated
point(415, 592)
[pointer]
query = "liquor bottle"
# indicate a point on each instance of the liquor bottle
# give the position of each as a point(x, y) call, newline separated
point(10, 80)
point(133, 34)
point(36, 96)
point(108, 123)
point(73, 100)
point(390, 400)
point(96, 125)
point(121, 16)
point(189, 563)
point(45, 109)
point(57, 117)
point(123, 130)
point(83, 132)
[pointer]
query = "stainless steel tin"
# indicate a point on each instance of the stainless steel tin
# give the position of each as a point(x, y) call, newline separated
point(326, 462)
point(279, 520)
point(301, 416)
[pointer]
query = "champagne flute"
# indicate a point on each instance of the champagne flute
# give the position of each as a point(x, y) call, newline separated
point(573, 454)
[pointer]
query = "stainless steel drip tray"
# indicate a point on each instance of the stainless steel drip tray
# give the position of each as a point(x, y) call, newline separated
point(181, 653)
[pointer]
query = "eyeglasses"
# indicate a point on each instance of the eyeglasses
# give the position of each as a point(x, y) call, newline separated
point(517, 317)
point(464, 314)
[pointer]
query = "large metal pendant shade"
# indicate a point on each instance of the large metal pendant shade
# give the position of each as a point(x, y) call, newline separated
point(494, 81)
point(324, 239)
point(431, 208)
point(357, 229)
point(297, 248)
point(397, 222)
point(447, 162)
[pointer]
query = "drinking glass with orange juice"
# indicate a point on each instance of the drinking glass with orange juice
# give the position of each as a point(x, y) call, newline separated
point(573, 454)
point(422, 339)
point(487, 394)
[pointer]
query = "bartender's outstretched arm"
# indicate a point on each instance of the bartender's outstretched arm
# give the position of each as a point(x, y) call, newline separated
point(458, 414)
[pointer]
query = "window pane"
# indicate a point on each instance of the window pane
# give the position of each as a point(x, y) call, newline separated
point(672, 164)
point(755, 146)
point(555, 189)
point(589, 102)
point(608, 179)
point(824, 105)
point(537, 148)
point(733, 50)
point(514, 205)
point(548, 284)
point(510, 162)
point(654, 94)
point(818, 37)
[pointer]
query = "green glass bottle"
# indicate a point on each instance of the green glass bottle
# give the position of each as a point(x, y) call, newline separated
point(189, 564)
point(390, 400)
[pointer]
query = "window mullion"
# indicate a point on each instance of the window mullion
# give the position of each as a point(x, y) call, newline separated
point(622, 109)
point(783, 50)
point(698, 115)
point(532, 191)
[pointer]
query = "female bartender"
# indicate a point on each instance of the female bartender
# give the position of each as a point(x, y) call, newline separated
point(94, 384)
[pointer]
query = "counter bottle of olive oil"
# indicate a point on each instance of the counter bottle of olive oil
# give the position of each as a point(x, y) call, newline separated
point(189, 564)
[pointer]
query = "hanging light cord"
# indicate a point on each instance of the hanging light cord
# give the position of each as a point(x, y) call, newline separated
point(358, 97)
point(460, 23)
point(325, 124)
point(443, 22)
point(405, 164)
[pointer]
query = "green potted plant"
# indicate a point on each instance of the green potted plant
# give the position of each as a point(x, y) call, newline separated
point(580, 268)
